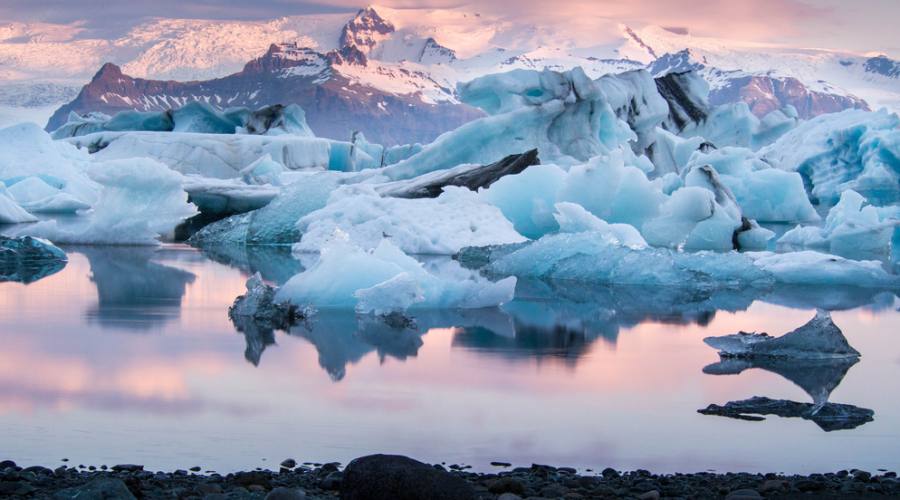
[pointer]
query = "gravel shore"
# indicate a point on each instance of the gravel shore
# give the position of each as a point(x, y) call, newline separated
point(399, 478)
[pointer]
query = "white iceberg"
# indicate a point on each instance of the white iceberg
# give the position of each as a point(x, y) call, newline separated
point(141, 201)
point(853, 149)
point(852, 227)
point(10, 211)
point(590, 257)
point(457, 218)
point(27, 152)
point(820, 338)
point(385, 280)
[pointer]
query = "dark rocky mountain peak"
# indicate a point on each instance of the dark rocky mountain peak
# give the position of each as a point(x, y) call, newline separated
point(364, 30)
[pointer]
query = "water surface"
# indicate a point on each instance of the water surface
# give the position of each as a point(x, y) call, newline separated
point(128, 355)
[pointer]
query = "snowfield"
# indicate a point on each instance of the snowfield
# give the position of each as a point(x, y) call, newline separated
point(636, 180)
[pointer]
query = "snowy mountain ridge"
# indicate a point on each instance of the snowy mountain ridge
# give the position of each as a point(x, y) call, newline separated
point(425, 53)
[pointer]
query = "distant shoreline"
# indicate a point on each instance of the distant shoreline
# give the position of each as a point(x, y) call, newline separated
point(385, 476)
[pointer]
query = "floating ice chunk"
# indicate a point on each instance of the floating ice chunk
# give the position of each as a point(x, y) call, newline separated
point(527, 199)
point(763, 193)
point(613, 190)
point(814, 268)
point(29, 259)
point(223, 197)
point(589, 257)
point(200, 117)
point(195, 117)
point(387, 280)
point(259, 305)
point(605, 186)
point(687, 97)
point(671, 153)
point(212, 155)
point(27, 151)
point(853, 149)
point(10, 211)
point(34, 194)
point(276, 222)
point(265, 170)
point(635, 98)
point(828, 416)
point(397, 294)
point(852, 227)
point(573, 218)
point(141, 201)
point(457, 218)
point(563, 115)
point(276, 119)
point(504, 92)
point(753, 237)
point(820, 338)
point(692, 220)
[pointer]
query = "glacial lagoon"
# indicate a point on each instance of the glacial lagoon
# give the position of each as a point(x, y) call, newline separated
point(127, 355)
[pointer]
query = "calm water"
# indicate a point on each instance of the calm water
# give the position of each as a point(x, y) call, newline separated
point(127, 355)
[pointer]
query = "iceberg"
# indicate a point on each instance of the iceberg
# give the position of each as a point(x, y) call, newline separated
point(573, 218)
point(441, 226)
point(10, 211)
point(565, 116)
point(589, 257)
point(259, 306)
point(209, 155)
point(851, 228)
point(195, 116)
point(141, 201)
point(37, 196)
point(763, 193)
point(224, 197)
point(820, 338)
point(28, 259)
point(829, 416)
point(853, 149)
point(607, 186)
point(264, 170)
point(28, 154)
point(386, 280)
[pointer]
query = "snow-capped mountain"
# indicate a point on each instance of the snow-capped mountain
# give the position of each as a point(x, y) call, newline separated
point(763, 93)
point(418, 56)
point(326, 86)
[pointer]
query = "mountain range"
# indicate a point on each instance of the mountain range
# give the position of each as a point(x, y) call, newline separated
point(392, 73)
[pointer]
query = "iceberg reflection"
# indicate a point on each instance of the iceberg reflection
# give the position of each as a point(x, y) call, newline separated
point(133, 291)
point(815, 357)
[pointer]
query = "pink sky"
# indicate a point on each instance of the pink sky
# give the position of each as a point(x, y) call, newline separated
point(860, 26)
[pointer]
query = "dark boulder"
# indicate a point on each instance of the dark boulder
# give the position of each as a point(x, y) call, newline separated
point(98, 489)
point(394, 477)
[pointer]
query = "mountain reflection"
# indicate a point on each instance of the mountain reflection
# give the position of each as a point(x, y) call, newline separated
point(133, 291)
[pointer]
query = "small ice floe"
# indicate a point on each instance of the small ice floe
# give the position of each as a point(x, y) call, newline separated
point(28, 259)
point(829, 416)
point(820, 338)
point(259, 305)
